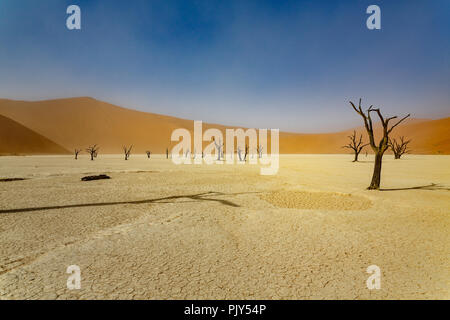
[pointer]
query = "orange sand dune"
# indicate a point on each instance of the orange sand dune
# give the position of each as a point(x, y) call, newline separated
point(17, 139)
point(79, 122)
point(427, 137)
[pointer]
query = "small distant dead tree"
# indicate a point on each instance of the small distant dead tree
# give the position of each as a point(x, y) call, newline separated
point(219, 148)
point(382, 145)
point(355, 144)
point(127, 151)
point(246, 152)
point(167, 153)
point(239, 151)
point(93, 151)
point(77, 151)
point(259, 150)
point(399, 148)
point(149, 153)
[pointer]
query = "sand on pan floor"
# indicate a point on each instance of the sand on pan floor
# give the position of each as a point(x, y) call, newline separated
point(157, 230)
point(316, 200)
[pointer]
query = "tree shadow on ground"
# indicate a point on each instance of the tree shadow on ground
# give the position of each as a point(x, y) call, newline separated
point(171, 199)
point(433, 186)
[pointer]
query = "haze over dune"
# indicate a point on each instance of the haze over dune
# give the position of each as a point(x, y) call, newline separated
point(17, 139)
point(427, 137)
point(79, 122)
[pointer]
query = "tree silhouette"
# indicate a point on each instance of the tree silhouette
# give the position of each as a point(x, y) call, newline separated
point(93, 151)
point(259, 150)
point(399, 148)
point(239, 152)
point(355, 144)
point(219, 148)
point(380, 148)
point(127, 151)
point(77, 151)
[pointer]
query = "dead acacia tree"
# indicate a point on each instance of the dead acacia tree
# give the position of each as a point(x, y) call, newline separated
point(399, 148)
point(149, 153)
point(93, 151)
point(246, 152)
point(355, 144)
point(259, 150)
point(127, 151)
point(77, 151)
point(380, 148)
point(219, 148)
point(167, 153)
point(239, 152)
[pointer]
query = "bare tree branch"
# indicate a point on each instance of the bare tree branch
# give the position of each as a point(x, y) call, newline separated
point(389, 131)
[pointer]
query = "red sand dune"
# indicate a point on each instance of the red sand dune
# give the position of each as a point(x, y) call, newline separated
point(79, 122)
point(17, 139)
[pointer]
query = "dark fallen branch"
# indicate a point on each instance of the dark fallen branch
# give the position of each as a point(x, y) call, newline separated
point(99, 177)
point(11, 179)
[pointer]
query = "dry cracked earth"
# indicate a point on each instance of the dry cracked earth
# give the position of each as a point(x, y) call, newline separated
point(156, 230)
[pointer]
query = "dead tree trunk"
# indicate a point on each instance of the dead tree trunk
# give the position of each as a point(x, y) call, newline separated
point(355, 144)
point(93, 150)
point(246, 152)
point(239, 151)
point(219, 146)
point(127, 151)
point(149, 153)
point(399, 148)
point(167, 153)
point(380, 148)
point(376, 177)
point(77, 151)
point(259, 150)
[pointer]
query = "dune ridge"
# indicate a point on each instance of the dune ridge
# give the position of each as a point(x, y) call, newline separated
point(17, 139)
point(79, 122)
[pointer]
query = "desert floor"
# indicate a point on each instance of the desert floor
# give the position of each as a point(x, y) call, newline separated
point(157, 230)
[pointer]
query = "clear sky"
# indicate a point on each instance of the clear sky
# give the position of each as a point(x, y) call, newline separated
point(291, 65)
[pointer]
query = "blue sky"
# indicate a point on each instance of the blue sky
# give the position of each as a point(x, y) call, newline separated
point(291, 65)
